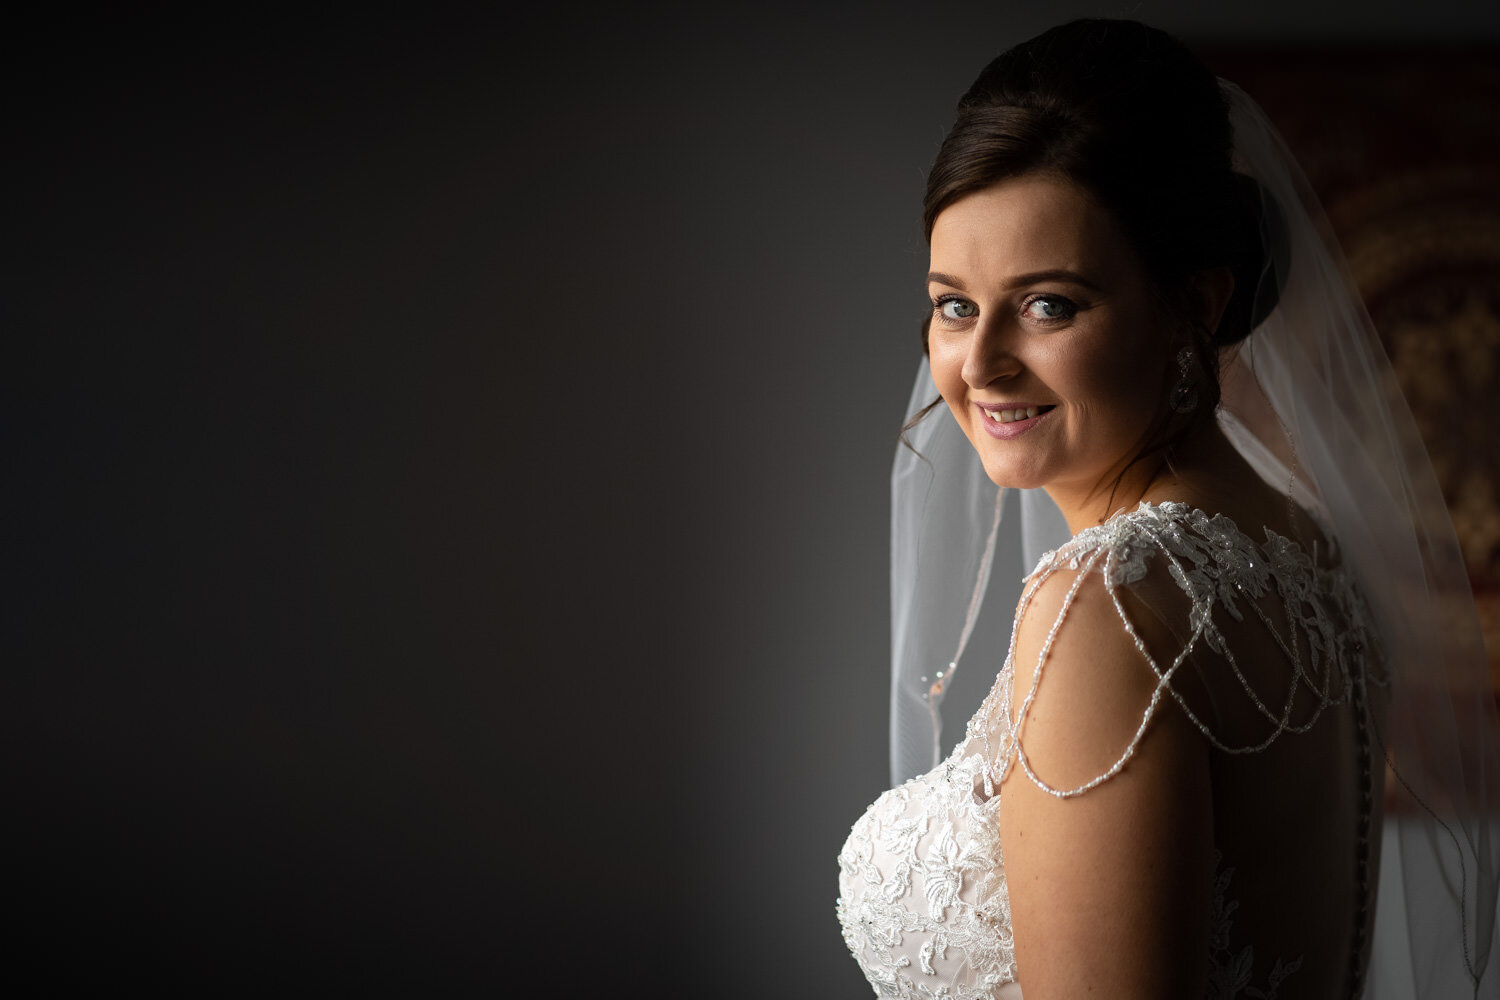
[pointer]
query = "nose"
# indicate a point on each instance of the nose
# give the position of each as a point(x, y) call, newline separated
point(991, 357)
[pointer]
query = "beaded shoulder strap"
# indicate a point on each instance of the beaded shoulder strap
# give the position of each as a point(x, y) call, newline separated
point(1217, 566)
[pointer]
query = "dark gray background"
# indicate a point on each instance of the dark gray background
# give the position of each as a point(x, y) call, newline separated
point(446, 508)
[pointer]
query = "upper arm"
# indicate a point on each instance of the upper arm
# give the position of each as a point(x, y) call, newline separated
point(1110, 888)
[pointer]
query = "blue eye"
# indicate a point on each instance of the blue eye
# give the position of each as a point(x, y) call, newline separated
point(1049, 308)
point(956, 309)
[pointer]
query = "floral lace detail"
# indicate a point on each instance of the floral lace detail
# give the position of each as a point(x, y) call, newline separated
point(924, 908)
point(924, 905)
point(1212, 559)
point(1229, 973)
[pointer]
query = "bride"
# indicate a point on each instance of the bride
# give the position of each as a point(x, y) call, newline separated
point(1249, 615)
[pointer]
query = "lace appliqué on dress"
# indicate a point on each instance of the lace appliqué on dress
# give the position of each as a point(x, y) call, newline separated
point(1230, 972)
point(925, 909)
point(924, 905)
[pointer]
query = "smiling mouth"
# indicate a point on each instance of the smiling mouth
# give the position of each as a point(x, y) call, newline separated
point(1011, 416)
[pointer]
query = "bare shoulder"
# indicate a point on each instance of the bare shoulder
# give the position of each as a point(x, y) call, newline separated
point(1109, 886)
point(1088, 669)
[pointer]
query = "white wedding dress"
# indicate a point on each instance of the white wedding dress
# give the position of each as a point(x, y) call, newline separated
point(1281, 642)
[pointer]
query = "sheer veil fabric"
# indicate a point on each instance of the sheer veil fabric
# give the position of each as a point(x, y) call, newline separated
point(1311, 401)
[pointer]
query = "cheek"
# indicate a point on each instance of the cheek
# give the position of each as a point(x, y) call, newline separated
point(1126, 384)
point(946, 363)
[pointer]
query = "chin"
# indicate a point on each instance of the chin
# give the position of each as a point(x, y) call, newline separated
point(1014, 479)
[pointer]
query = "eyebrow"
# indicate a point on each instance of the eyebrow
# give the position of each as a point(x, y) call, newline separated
point(1055, 274)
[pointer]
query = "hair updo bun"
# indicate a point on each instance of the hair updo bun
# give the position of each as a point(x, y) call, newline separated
point(1128, 113)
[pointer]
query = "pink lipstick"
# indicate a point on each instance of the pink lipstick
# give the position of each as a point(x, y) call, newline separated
point(1014, 428)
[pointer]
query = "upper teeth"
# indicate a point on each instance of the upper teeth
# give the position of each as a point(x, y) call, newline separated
point(1007, 416)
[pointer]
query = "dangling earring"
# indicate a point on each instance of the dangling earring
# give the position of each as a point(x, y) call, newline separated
point(1184, 395)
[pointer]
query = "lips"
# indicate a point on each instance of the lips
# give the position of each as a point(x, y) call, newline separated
point(1009, 420)
point(1015, 411)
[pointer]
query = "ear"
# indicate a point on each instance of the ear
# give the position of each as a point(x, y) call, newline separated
point(1209, 291)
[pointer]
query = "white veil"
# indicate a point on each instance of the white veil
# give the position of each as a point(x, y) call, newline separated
point(1310, 399)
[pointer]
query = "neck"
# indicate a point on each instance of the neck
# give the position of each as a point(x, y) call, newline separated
point(1200, 457)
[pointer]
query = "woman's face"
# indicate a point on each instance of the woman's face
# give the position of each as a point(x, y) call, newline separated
point(1039, 301)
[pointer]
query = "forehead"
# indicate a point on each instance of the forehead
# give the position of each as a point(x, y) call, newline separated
point(1037, 222)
